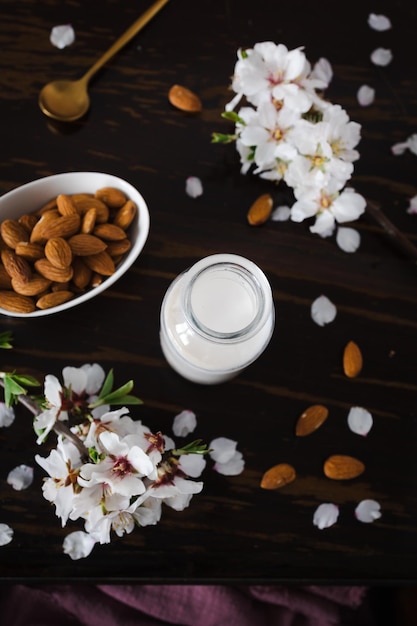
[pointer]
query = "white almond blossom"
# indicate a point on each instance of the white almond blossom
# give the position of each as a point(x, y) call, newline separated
point(285, 131)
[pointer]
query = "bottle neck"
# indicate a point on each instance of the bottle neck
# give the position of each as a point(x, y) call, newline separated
point(224, 302)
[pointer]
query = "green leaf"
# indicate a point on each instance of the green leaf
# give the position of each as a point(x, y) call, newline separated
point(27, 380)
point(119, 396)
point(222, 138)
point(232, 116)
point(107, 385)
point(95, 456)
point(195, 447)
point(5, 339)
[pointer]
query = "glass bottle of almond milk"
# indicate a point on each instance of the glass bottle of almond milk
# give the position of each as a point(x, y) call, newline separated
point(217, 317)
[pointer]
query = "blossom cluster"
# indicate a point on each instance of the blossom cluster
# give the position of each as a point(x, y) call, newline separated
point(286, 131)
point(108, 469)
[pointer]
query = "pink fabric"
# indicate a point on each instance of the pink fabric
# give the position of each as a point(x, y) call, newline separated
point(196, 605)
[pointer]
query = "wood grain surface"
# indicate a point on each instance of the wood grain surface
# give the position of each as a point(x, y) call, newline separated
point(234, 531)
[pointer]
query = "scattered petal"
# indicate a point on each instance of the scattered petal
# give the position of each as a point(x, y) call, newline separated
point(6, 534)
point(193, 187)
point(222, 449)
point(323, 311)
point(381, 56)
point(365, 95)
point(348, 239)
point(233, 466)
point(412, 209)
point(78, 545)
point(62, 36)
point(7, 415)
point(281, 214)
point(184, 423)
point(409, 144)
point(323, 71)
point(21, 477)
point(359, 420)
point(325, 515)
point(368, 511)
point(379, 22)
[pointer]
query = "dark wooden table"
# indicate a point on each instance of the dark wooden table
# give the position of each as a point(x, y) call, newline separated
point(234, 531)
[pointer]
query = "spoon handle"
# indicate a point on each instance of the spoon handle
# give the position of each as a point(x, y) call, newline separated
point(125, 38)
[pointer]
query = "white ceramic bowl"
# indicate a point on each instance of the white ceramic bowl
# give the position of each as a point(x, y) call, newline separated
point(33, 195)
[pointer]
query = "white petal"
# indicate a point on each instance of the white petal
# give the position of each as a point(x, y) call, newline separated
point(192, 464)
point(78, 545)
point(232, 467)
point(281, 214)
point(222, 449)
point(323, 311)
point(368, 511)
point(381, 56)
point(359, 420)
point(184, 423)
point(348, 239)
point(323, 71)
point(21, 477)
point(399, 148)
point(193, 187)
point(7, 415)
point(325, 515)
point(412, 209)
point(62, 36)
point(379, 22)
point(365, 95)
point(6, 534)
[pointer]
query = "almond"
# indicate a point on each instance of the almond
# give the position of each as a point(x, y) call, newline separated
point(102, 263)
point(184, 99)
point(28, 221)
point(5, 280)
point(89, 221)
point(16, 303)
point(278, 476)
point(47, 207)
point(342, 467)
point(55, 298)
point(82, 274)
point(63, 226)
point(85, 202)
point(311, 419)
point(58, 252)
point(352, 360)
point(125, 215)
point(30, 251)
point(15, 265)
point(117, 248)
point(114, 198)
point(66, 205)
point(84, 244)
point(37, 236)
point(33, 287)
point(260, 210)
point(55, 274)
point(13, 232)
point(109, 232)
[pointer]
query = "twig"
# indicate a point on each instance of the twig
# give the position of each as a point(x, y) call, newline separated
point(396, 236)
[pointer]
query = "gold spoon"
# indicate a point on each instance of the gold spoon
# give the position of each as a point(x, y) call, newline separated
point(68, 100)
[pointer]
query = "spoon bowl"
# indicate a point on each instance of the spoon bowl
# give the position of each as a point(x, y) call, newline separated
point(65, 100)
point(68, 100)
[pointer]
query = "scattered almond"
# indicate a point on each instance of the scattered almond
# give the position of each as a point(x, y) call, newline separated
point(311, 419)
point(352, 360)
point(184, 99)
point(278, 476)
point(260, 210)
point(342, 467)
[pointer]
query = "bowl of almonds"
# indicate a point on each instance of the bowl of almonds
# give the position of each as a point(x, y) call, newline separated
point(66, 238)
